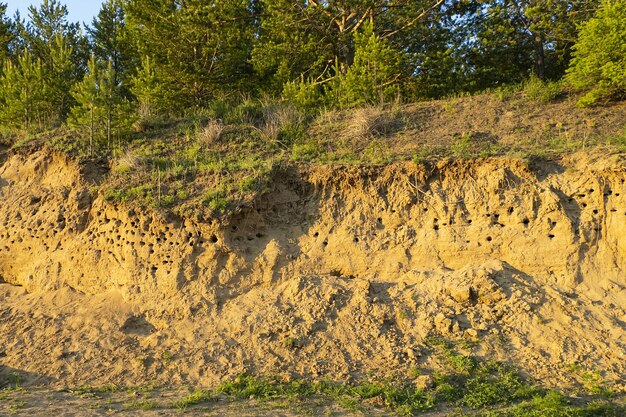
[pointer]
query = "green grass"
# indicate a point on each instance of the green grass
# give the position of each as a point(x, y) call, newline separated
point(214, 160)
point(554, 404)
point(482, 388)
point(140, 405)
point(542, 91)
point(197, 397)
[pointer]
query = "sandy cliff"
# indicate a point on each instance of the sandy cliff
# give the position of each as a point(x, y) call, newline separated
point(337, 271)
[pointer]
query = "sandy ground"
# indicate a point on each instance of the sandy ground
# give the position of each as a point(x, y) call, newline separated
point(158, 402)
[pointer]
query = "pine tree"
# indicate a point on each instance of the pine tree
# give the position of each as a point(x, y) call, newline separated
point(375, 73)
point(110, 42)
point(23, 94)
point(292, 44)
point(61, 48)
point(200, 50)
point(150, 90)
point(507, 40)
point(59, 79)
point(88, 111)
point(315, 40)
point(101, 110)
point(6, 35)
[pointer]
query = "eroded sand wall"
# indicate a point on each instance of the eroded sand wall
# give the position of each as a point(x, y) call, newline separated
point(330, 259)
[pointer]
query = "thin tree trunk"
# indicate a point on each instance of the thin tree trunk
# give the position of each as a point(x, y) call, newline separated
point(540, 57)
point(109, 129)
point(91, 133)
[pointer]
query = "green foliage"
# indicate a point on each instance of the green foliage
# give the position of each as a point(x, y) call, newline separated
point(306, 151)
point(462, 146)
point(487, 384)
point(405, 399)
point(111, 42)
point(196, 397)
point(216, 200)
point(599, 63)
point(305, 95)
point(7, 35)
point(541, 91)
point(100, 111)
point(293, 44)
point(375, 74)
point(62, 50)
point(23, 94)
point(554, 404)
point(152, 93)
point(197, 50)
point(495, 383)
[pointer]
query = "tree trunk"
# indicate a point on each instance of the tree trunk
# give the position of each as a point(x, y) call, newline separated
point(109, 117)
point(540, 57)
point(91, 133)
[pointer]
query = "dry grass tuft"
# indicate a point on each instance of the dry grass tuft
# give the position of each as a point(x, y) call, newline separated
point(366, 122)
point(211, 133)
point(128, 162)
point(276, 119)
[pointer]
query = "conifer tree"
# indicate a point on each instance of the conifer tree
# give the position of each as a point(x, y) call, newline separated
point(23, 93)
point(59, 79)
point(6, 35)
point(101, 110)
point(111, 42)
point(61, 48)
point(375, 73)
point(200, 50)
point(151, 91)
point(87, 113)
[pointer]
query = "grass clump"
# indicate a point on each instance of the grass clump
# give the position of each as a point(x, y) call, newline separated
point(554, 404)
point(541, 91)
point(494, 383)
point(196, 397)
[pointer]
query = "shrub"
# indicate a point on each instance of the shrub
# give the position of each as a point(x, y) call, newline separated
point(599, 62)
point(542, 91)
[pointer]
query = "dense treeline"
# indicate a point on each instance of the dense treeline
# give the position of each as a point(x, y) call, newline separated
point(141, 58)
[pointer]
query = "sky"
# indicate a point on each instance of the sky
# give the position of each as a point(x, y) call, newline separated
point(79, 10)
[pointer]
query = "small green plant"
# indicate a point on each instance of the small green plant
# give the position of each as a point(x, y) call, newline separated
point(594, 383)
point(196, 397)
point(167, 357)
point(292, 343)
point(216, 200)
point(494, 383)
point(461, 363)
point(246, 386)
point(506, 92)
point(462, 146)
point(541, 91)
point(15, 379)
point(140, 405)
point(306, 152)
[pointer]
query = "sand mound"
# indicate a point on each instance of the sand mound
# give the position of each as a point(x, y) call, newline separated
point(336, 272)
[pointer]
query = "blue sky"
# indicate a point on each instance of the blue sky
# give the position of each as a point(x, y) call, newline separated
point(79, 10)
